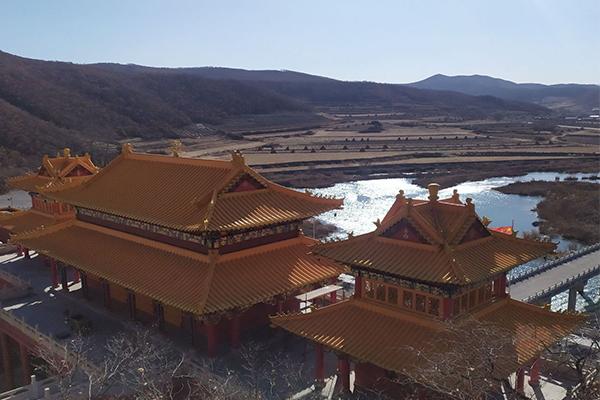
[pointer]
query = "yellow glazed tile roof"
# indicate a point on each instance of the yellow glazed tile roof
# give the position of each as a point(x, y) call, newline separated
point(443, 258)
point(24, 221)
point(388, 338)
point(191, 194)
point(193, 282)
point(56, 173)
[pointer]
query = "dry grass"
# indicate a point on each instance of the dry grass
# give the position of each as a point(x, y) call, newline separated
point(569, 209)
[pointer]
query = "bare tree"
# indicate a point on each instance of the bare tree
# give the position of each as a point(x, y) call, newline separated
point(580, 354)
point(468, 362)
point(65, 366)
point(269, 374)
point(135, 363)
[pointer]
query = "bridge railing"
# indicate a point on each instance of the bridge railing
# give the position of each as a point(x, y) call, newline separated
point(552, 264)
point(560, 286)
point(43, 340)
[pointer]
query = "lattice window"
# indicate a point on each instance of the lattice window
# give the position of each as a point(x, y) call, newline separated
point(392, 295)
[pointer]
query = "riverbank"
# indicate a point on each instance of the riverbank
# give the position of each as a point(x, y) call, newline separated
point(569, 209)
point(445, 174)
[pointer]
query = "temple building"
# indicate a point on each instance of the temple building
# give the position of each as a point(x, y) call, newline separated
point(204, 249)
point(55, 173)
point(428, 264)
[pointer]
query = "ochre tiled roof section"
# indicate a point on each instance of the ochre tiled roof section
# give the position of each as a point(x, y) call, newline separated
point(533, 328)
point(55, 173)
point(180, 278)
point(474, 262)
point(28, 183)
point(388, 338)
point(190, 194)
point(254, 275)
point(443, 259)
point(238, 211)
point(23, 221)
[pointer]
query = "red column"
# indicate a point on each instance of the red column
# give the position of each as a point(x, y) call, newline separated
point(54, 272)
point(319, 363)
point(500, 286)
point(534, 372)
point(520, 381)
point(25, 364)
point(212, 339)
point(76, 276)
point(9, 380)
point(358, 286)
point(234, 334)
point(333, 297)
point(344, 372)
point(106, 297)
point(64, 277)
point(19, 250)
point(447, 308)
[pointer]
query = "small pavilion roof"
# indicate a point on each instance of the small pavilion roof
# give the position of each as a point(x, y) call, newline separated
point(435, 241)
point(391, 338)
point(56, 173)
point(193, 282)
point(192, 195)
point(24, 221)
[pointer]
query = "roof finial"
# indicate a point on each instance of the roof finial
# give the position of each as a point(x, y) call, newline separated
point(400, 195)
point(455, 196)
point(237, 159)
point(127, 148)
point(470, 204)
point(175, 147)
point(66, 152)
point(433, 191)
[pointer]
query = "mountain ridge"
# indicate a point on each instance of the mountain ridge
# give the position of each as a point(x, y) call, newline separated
point(564, 97)
point(50, 104)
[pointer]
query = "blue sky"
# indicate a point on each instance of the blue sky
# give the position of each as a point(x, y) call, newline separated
point(398, 41)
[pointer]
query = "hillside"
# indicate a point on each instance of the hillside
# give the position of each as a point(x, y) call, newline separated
point(46, 105)
point(568, 98)
point(326, 93)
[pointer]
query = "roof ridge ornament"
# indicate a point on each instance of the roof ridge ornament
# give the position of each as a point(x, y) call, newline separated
point(210, 210)
point(126, 148)
point(400, 196)
point(176, 147)
point(67, 152)
point(237, 159)
point(470, 206)
point(455, 196)
point(433, 188)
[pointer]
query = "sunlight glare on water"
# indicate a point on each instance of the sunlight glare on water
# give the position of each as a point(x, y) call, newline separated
point(368, 200)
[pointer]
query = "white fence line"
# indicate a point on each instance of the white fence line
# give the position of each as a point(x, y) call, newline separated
point(557, 286)
point(552, 264)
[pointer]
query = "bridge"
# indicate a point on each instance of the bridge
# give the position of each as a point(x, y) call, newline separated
point(569, 273)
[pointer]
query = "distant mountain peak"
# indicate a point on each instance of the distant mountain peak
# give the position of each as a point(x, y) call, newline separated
point(569, 98)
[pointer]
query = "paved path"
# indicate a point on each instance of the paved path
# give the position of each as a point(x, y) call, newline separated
point(45, 307)
point(537, 283)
